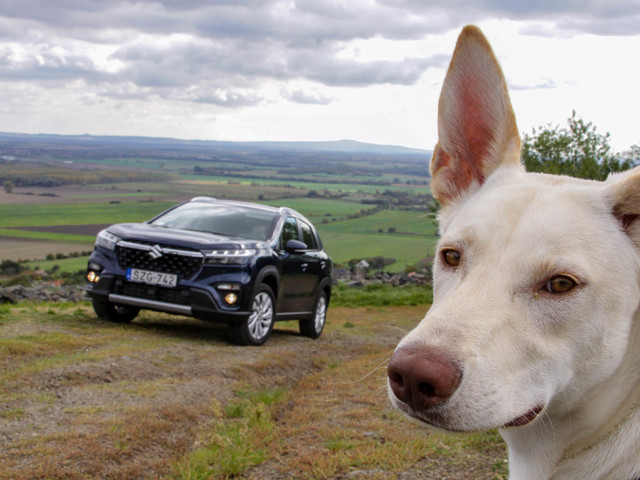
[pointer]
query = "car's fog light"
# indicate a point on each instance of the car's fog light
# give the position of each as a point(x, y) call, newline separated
point(230, 292)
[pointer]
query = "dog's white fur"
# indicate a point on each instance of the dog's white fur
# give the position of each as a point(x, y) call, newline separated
point(519, 346)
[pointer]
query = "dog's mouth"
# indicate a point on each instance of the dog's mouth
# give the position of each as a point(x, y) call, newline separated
point(525, 419)
point(442, 421)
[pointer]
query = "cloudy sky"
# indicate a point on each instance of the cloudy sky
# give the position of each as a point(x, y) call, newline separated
point(367, 70)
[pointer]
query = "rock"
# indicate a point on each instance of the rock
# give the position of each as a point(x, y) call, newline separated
point(7, 297)
point(42, 292)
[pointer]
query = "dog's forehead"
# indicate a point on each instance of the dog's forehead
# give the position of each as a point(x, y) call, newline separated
point(529, 208)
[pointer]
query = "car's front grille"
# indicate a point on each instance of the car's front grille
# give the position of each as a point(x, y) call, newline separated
point(159, 258)
point(180, 295)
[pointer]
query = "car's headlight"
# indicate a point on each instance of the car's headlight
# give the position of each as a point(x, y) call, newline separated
point(107, 240)
point(229, 257)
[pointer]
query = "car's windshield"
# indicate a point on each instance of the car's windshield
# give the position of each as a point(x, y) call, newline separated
point(227, 220)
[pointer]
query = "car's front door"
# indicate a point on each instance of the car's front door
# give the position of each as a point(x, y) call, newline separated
point(297, 277)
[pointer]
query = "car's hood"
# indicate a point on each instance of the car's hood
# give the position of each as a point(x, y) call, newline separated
point(145, 232)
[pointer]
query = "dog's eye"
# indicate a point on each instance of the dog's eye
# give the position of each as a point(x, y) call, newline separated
point(560, 284)
point(451, 257)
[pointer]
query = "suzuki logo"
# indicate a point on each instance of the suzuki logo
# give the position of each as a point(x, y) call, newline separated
point(155, 252)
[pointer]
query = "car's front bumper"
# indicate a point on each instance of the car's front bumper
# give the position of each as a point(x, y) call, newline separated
point(190, 301)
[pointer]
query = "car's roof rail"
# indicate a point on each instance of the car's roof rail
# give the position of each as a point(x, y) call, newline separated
point(203, 199)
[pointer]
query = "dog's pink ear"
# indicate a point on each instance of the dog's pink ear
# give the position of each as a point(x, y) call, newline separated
point(624, 191)
point(476, 124)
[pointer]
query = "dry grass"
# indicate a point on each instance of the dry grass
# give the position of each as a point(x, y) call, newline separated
point(169, 397)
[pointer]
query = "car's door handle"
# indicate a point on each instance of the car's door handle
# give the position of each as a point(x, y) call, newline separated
point(304, 266)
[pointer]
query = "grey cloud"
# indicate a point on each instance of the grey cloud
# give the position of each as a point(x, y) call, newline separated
point(306, 97)
point(599, 17)
point(311, 19)
point(228, 98)
point(624, 25)
point(222, 51)
point(333, 71)
point(46, 64)
point(548, 84)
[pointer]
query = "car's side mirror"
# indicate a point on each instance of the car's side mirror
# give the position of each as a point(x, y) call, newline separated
point(294, 246)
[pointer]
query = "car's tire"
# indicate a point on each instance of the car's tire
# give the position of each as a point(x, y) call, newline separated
point(114, 313)
point(312, 328)
point(256, 329)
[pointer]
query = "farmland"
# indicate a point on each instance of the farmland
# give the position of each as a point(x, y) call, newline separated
point(63, 191)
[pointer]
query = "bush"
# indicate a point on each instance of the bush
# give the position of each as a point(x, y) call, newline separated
point(75, 278)
point(23, 279)
point(9, 268)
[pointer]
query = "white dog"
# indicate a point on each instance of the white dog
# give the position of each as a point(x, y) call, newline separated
point(535, 324)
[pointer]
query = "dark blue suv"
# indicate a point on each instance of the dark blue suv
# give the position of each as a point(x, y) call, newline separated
point(245, 264)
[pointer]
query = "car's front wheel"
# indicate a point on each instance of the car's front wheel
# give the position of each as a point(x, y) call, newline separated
point(114, 313)
point(313, 327)
point(256, 329)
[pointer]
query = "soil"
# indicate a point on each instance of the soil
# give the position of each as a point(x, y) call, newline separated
point(127, 402)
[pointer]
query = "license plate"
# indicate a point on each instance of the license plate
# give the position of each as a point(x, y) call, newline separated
point(152, 278)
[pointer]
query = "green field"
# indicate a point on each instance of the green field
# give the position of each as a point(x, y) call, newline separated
point(53, 237)
point(317, 186)
point(14, 216)
point(28, 215)
point(66, 264)
point(349, 228)
point(317, 209)
point(406, 235)
point(403, 221)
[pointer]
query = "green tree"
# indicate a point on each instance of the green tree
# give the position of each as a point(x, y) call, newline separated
point(8, 186)
point(632, 155)
point(578, 150)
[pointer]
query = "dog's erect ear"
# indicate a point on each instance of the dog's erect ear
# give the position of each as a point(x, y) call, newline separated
point(476, 124)
point(624, 191)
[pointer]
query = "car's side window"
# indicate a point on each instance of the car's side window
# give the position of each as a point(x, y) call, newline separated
point(308, 237)
point(289, 231)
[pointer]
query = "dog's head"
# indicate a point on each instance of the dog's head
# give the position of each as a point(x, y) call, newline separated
point(536, 277)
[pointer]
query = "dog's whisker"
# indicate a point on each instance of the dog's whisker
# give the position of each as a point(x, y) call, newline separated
point(396, 327)
point(381, 388)
point(361, 379)
point(364, 377)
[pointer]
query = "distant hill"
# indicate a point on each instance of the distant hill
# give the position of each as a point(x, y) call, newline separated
point(288, 160)
point(340, 146)
point(346, 146)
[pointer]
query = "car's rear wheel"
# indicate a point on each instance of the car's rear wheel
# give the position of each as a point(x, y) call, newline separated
point(114, 313)
point(256, 329)
point(313, 327)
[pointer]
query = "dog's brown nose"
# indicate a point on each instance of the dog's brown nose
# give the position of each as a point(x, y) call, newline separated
point(422, 378)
